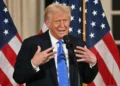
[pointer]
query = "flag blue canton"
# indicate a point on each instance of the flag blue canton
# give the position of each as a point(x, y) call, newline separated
point(7, 28)
point(96, 23)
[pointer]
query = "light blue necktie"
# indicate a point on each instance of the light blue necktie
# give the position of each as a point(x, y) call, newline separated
point(62, 66)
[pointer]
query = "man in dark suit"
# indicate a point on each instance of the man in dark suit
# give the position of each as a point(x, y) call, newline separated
point(36, 62)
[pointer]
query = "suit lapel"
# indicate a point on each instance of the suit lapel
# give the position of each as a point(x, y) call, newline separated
point(47, 44)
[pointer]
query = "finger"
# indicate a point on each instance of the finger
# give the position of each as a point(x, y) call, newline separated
point(48, 55)
point(51, 57)
point(85, 47)
point(80, 60)
point(51, 54)
point(49, 49)
point(79, 51)
point(39, 49)
point(81, 48)
point(48, 59)
point(79, 56)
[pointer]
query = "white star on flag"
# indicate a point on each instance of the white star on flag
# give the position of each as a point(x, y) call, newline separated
point(79, 20)
point(6, 21)
point(80, 9)
point(79, 31)
point(86, 0)
point(93, 24)
point(64, 3)
point(96, 2)
point(102, 25)
point(70, 29)
point(72, 18)
point(92, 35)
point(103, 14)
point(94, 13)
point(57, 2)
point(5, 10)
point(73, 7)
point(6, 32)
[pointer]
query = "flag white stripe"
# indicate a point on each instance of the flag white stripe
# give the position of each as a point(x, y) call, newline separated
point(109, 60)
point(44, 28)
point(5, 65)
point(15, 44)
point(99, 81)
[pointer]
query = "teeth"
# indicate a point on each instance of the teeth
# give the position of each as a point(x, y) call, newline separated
point(61, 30)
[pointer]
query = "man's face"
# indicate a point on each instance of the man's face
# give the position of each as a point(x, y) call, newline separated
point(59, 24)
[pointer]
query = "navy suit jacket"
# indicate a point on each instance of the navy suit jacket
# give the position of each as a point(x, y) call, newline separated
point(47, 76)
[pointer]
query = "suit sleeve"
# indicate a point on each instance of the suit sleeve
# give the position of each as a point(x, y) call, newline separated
point(23, 67)
point(87, 73)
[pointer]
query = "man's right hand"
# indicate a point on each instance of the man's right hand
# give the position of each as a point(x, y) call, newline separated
point(42, 57)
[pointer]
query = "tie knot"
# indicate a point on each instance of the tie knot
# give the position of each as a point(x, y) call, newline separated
point(60, 42)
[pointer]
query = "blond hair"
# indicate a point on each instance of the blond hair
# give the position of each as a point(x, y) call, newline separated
point(54, 7)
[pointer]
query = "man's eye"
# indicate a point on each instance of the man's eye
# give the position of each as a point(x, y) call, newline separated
point(57, 21)
point(65, 20)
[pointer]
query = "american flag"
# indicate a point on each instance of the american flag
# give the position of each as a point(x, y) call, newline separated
point(101, 42)
point(98, 38)
point(10, 44)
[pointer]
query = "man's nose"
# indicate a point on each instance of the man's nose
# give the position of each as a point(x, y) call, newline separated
point(62, 24)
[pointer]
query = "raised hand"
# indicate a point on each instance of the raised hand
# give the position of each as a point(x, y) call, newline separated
point(85, 55)
point(42, 57)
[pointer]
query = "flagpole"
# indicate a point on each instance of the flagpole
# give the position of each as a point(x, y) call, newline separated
point(84, 20)
point(42, 8)
point(84, 25)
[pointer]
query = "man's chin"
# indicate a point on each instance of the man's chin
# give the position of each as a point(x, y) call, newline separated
point(61, 37)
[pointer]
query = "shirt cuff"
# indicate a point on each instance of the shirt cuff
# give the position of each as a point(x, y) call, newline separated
point(92, 65)
point(36, 68)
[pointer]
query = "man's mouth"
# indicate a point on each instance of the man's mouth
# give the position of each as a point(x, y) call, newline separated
point(61, 31)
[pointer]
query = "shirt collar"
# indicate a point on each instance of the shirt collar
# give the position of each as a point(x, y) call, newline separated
point(53, 39)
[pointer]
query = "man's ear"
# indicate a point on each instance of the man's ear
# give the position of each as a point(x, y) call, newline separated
point(47, 23)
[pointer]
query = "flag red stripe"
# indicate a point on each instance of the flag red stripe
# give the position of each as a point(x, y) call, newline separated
point(9, 54)
point(105, 74)
point(112, 48)
point(18, 36)
point(4, 81)
point(91, 84)
point(41, 31)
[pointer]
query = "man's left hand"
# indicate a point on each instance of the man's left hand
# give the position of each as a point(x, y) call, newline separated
point(85, 55)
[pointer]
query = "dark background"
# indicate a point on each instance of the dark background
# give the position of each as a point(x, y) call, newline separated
point(115, 4)
point(47, 2)
point(116, 20)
